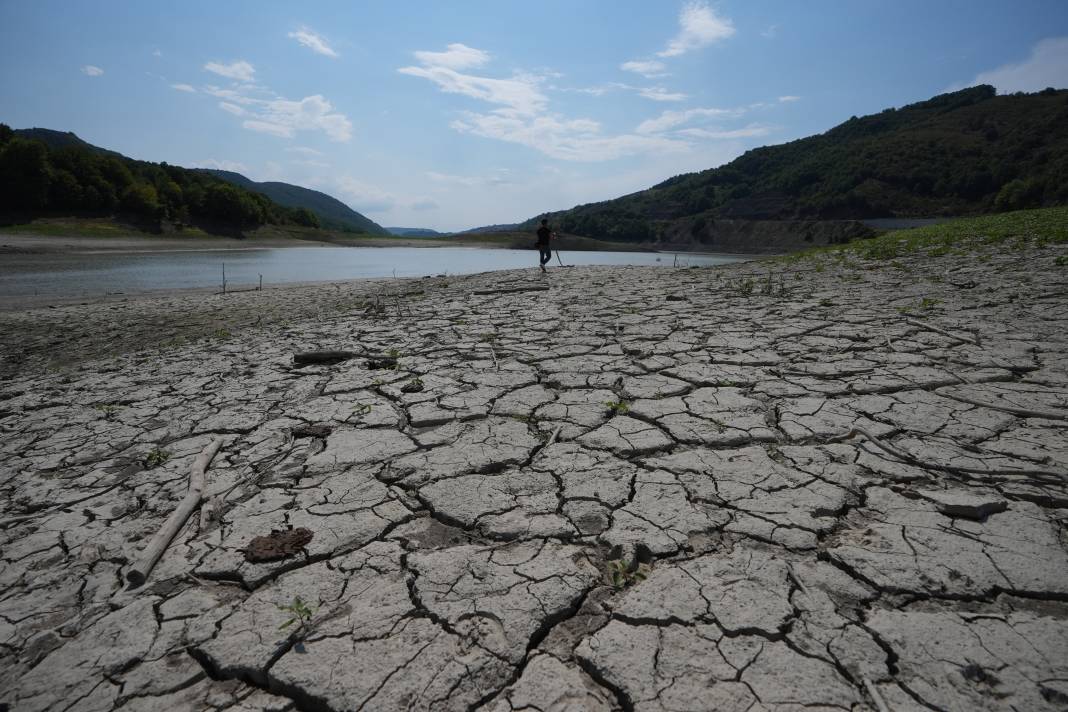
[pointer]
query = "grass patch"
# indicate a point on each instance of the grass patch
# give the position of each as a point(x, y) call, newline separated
point(1013, 231)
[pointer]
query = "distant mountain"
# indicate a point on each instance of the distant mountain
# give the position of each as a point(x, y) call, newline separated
point(506, 227)
point(962, 153)
point(416, 232)
point(332, 212)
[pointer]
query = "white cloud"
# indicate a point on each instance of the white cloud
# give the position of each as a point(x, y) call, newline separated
point(157, 53)
point(451, 179)
point(699, 26)
point(231, 108)
point(648, 69)
point(364, 197)
point(661, 94)
point(771, 32)
point(283, 117)
point(304, 150)
point(750, 131)
point(91, 71)
point(268, 128)
point(313, 41)
point(455, 56)
point(788, 98)
point(183, 87)
point(423, 205)
point(521, 93)
point(221, 165)
point(670, 119)
point(568, 140)
point(1046, 67)
point(240, 71)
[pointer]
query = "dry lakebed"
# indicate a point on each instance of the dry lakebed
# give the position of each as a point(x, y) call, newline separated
point(772, 486)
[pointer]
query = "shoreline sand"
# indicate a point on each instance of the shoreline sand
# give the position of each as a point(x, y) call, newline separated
point(781, 483)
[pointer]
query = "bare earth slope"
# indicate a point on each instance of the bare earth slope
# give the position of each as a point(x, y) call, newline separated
point(461, 556)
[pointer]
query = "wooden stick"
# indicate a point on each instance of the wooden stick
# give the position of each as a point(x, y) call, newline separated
point(1022, 412)
point(138, 574)
point(873, 692)
point(493, 353)
point(552, 439)
point(943, 332)
point(1057, 477)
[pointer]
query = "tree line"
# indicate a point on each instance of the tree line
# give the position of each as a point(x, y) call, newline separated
point(37, 179)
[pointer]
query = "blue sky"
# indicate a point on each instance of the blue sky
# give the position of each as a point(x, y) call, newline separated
point(453, 115)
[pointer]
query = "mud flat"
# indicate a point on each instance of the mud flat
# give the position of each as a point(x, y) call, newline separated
point(836, 485)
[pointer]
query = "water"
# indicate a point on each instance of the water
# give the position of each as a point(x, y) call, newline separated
point(93, 274)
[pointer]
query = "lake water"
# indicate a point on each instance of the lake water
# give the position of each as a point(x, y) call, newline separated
point(94, 274)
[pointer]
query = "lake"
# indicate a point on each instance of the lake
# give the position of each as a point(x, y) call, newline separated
point(99, 273)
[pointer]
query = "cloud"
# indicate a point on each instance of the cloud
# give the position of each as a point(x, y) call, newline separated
point(232, 108)
point(520, 93)
point(455, 56)
point(788, 98)
point(661, 94)
point(771, 32)
point(233, 166)
point(750, 131)
point(91, 71)
point(304, 150)
point(499, 176)
point(240, 71)
point(568, 140)
point(313, 41)
point(671, 119)
point(364, 197)
point(423, 205)
point(1046, 67)
point(648, 69)
point(699, 27)
point(183, 87)
point(283, 117)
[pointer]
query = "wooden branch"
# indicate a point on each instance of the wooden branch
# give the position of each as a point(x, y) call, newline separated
point(310, 357)
point(876, 697)
point(943, 332)
point(1022, 412)
point(1052, 475)
point(552, 439)
point(138, 574)
point(510, 290)
point(493, 353)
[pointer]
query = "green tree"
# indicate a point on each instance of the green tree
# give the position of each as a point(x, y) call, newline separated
point(25, 176)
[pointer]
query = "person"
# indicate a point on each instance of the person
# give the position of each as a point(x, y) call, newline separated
point(545, 235)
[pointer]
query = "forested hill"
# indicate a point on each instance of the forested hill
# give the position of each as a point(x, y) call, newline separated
point(331, 211)
point(44, 172)
point(962, 153)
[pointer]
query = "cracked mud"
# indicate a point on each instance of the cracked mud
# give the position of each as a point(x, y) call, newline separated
point(607, 489)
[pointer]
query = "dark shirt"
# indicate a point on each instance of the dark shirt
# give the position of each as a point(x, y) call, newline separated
point(543, 235)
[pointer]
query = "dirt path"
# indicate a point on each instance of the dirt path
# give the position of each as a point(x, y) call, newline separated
point(771, 486)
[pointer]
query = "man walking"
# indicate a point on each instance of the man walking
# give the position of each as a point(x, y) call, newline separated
point(544, 249)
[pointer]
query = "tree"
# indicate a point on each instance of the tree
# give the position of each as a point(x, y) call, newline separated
point(25, 176)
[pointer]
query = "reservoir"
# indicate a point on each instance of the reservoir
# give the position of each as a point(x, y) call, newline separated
point(100, 273)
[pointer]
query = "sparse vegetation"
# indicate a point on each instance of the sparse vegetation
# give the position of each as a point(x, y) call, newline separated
point(156, 457)
point(621, 574)
point(300, 614)
point(617, 407)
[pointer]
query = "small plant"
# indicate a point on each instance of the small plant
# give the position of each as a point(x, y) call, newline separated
point(109, 410)
point(413, 386)
point(616, 407)
point(1061, 261)
point(222, 334)
point(488, 338)
point(622, 575)
point(156, 457)
point(362, 409)
point(300, 614)
point(928, 303)
point(826, 302)
point(393, 353)
point(746, 288)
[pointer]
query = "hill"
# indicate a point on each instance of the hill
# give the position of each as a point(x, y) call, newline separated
point(964, 153)
point(415, 232)
point(504, 227)
point(332, 212)
point(45, 173)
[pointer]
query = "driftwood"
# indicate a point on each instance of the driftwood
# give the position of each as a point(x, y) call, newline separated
point(138, 574)
point(873, 692)
point(552, 439)
point(943, 332)
point(1022, 412)
point(1051, 475)
point(508, 290)
point(310, 357)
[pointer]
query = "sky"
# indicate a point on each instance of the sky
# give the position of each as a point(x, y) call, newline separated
point(456, 115)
